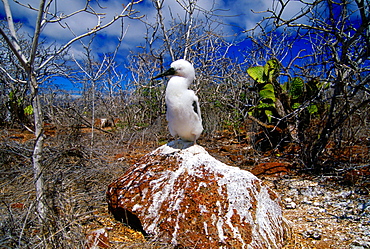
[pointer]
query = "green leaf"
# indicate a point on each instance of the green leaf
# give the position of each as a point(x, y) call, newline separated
point(296, 106)
point(312, 109)
point(326, 85)
point(267, 92)
point(257, 74)
point(271, 69)
point(28, 110)
point(296, 88)
point(218, 103)
point(263, 105)
point(11, 95)
point(268, 115)
point(243, 96)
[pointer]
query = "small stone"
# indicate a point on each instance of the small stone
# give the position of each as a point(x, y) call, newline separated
point(306, 234)
point(288, 199)
point(362, 191)
point(293, 192)
point(322, 210)
point(316, 235)
point(317, 204)
point(306, 201)
point(356, 247)
point(360, 244)
point(290, 205)
point(344, 194)
point(313, 234)
point(98, 238)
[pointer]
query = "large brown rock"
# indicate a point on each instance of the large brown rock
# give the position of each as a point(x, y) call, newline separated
point(190, 199)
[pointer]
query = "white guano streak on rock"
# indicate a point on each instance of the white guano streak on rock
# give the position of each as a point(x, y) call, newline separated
point(202, 209)
point(189, 162)
point(237, 184)
point(192, 162)
point(161, 195)
point(202, 184)
point(233, 178)
point(136, 207)
point(166, 191)
point(176, 228)
point(130, 183)
point(220, 223)
point(267, 206)
point(205, 227)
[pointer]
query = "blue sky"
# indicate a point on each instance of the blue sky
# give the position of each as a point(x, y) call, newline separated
point(238, 12)
point(238, 16)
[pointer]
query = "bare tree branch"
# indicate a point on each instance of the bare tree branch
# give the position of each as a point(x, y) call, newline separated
point(36, 33)
point(127, 8)
point(13, 42)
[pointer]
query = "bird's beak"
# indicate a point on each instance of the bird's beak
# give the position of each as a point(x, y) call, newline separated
point(170, 71)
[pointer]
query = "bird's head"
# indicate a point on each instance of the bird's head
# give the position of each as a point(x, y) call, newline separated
point(181, 68)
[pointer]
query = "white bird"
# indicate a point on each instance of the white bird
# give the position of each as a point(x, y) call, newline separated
point(183, 112)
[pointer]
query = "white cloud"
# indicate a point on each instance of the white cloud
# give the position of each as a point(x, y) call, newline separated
point(239, 14)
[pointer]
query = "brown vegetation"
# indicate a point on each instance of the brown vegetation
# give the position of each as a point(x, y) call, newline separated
point(305, 141)
point(77, 178)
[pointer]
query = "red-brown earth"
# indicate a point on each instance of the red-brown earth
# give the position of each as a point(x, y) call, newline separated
point(326, 210)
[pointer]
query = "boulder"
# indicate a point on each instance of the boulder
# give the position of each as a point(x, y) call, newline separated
point(189, 199)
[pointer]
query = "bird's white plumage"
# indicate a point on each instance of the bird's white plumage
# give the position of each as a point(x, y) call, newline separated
point(183, 112)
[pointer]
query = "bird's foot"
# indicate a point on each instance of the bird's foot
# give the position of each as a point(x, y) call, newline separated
point(180, 144)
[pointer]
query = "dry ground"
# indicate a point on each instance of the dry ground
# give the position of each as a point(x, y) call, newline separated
point(329, 210)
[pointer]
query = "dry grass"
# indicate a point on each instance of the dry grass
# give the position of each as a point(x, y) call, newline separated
point(76, 177)
point(77, 173)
